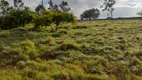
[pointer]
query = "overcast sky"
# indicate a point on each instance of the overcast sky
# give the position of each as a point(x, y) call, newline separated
point(123, 8)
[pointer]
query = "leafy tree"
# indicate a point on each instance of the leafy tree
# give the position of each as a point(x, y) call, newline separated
point(4, 7)
point(53, 7)
point(108, 5)
point(62, 7)
point(49, 17)
point(14, 20)
point(60, 17)
point(18, 4)
point(44, 19)
point(139, 13)
point(40, 9)
point(90, 14)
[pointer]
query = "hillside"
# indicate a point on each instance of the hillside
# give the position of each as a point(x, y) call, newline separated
point(98, 50)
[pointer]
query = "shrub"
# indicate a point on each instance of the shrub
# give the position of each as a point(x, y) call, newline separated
point(49, 17)
point(42, 20)
point(60, 17)
point(16, 18)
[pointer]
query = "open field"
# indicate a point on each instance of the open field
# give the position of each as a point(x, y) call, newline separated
point(98, 50)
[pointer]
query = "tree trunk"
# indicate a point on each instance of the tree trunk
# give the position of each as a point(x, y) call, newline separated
point(111, 13)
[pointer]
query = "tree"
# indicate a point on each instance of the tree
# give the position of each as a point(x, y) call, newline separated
point(40, 9)
point(90, 14)
point(108, 5)
point(14, 20)
point(62, 7)
point(139, 13)
point(18, 4)
point(44, 19)
point(4, 6)
point(53, 7)
point(49, 17)
point(60, 17)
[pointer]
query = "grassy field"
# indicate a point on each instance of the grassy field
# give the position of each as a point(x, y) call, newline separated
point(97, 50)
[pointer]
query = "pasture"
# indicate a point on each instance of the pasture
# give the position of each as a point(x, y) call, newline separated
point(91, 50)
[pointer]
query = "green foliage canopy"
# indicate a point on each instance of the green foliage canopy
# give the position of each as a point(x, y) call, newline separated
point(90, 14)
point(49, 17)
point(16, 18)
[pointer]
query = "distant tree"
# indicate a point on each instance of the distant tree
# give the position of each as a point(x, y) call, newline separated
point(90, 14)
point(4, 7)
point(59, 17)
point(62, 7)
point(108, 5)
point(40, 9)
point(139, 13)
point(18, 4)
point(53, 7)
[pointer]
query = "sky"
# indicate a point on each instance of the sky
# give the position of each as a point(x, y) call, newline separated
point(123, 8)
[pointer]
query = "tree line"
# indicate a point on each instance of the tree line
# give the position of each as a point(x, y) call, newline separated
point(19, 15)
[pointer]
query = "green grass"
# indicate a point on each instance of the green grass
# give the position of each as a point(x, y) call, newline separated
point(97, 50)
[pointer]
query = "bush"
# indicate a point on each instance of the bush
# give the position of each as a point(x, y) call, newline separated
point(60, 17)
point(16, 18)
point(42, 20)
point(49, 17)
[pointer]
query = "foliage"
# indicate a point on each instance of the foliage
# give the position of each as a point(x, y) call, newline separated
point(90, 14)
point(108, 5)
point(18, 4)
point(40, 9)
point(93, 50)
point(49, 17)
point(139, 13)
point(43, 20)
point(60, 17)
point(63, 6)
point(15, 20)
point(4, 7)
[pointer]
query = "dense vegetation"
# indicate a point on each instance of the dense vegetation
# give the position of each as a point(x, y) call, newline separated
point(20, 15)
point(97, 50)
